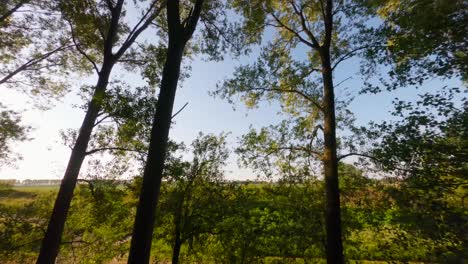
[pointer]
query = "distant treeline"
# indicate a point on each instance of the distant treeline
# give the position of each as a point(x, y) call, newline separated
point(46, 182)
point(28, 182)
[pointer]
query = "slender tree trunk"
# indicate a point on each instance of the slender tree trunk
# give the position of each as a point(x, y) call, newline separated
point(152, 176)
point(177, 239)
point(332, 215)
point(51, 242)
point(176, 249)
point(179, 33)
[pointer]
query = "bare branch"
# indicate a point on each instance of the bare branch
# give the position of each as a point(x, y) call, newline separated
point(322, 9)
point(101, 120)
point(180, 110)
point(93, 151)
point(184, 23)
point(338, 84)
point(351, 53)
point(314, 135)
point(357, 154)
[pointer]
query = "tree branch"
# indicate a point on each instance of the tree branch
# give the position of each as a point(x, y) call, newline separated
point(101, 120)
point(113, 149)
point(305, 28)
point(338, 84)
point(32, 62)
point(193, 19)
point(13, 10)
point(180, 110)
point(303, 40)
point(351, 54)
point(370, 157)
point(137, 30)
point(303, 149)
point(81, 51)
point(302, 94)
point(116, 12)
point(356, 154)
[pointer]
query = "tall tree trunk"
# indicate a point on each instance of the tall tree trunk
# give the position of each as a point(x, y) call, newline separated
point(179, 33)
point(332, 215)
point(330, 161)
point(177, 238)
point(152, 176)
point(51, 242)
point(176, 249)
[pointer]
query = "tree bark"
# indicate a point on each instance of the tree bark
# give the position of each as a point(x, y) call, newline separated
point(179, 33)
point(176, 249)
point(51, 242)
point(334, 247)
point(152, 176)
point(177, 231)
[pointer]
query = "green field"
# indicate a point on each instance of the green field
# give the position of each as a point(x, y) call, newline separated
point(36, 189)
point(260, 223)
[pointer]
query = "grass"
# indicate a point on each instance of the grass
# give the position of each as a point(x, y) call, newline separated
point(36, 189)
point(23, 194)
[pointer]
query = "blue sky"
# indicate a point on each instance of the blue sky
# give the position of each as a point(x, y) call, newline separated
point(45, 157)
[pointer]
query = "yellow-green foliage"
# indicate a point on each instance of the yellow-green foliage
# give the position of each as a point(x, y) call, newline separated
point(248, 222)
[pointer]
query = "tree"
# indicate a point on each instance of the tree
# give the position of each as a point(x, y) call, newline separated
point(35, 53)
point(123, 125)
point(101, 36)
point(195, 191)
point(182, 18)
point(11, 130)
point(179, 32)
point(22, 222)
point(36, 50)
point(423, 39)
point(427, 148)
point(97, 228)
point(424, 147)
point(325, 33)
